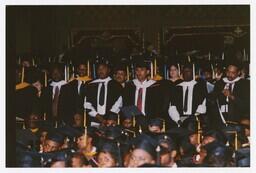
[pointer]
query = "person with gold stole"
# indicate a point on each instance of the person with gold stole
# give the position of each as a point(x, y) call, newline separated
point(86, 144)
point(52, 92)
point(73, 93)
point(27, 92)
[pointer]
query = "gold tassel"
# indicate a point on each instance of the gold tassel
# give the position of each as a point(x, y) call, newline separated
point(133, 121)
point(155, 67)
point(128, 73)
point(45, 79)
point(118, 119)
point(88, 68)
point(33, 62)
point(236, 142)
point(164, 126)
point(22, 74)
point(23, 125)
point(68, 73)
point(44, 117)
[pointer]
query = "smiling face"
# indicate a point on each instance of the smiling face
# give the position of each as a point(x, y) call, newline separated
point(81, 142)
point(174, 72)
point(141, 73)
point(187, 74)
point(232, 72)
point(103, 71)
point(120, 76)
point(56, 75)
point(105, 160)
point(81, 70)
point(127, 123)
point(139, 157)
point(50, 146)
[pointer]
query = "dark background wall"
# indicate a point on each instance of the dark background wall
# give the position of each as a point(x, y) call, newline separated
point(43, 30)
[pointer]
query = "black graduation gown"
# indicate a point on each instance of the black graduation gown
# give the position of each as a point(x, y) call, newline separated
point(238, 108)
point(153, 100)
point(114, 90)
point(167, 93)
point(199, 94)
point(71, 101)
point(25, 101)
point(47, 102)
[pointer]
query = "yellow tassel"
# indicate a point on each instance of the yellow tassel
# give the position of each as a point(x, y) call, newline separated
point(22, 74)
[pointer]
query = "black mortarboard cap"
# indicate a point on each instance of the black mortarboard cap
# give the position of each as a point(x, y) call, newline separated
point(51, 157)
point(111, 116)
point(56, 137)
point(218, 135)
point(142, 64)
point(68, 131)
point(188, 65)
point(177, 133)
point(156, 122)
point(120, 67)
point(127, 112)
point(165, 138)
point(112, 132)
point(146, 143)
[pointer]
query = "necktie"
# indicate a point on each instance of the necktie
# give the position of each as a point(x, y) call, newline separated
point(55, 102)
point(139, 100)
point(185, 108)
point(102, 94)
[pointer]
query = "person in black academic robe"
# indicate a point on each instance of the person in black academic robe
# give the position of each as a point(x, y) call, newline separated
point(190, 98)
point(143, 93)
point(168, 91)
point(120, 75)
point(102, 95)
point(232, 97)
point(72, 95)
point(49, 93)
point(27, 94)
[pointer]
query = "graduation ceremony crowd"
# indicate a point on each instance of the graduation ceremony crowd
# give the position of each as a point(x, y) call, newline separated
point(99, 114)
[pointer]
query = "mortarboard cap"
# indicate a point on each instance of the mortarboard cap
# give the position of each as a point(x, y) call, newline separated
point(56, 137)
point(112, 133)
point(146, 143)
point(111, 116)
point(142, 64)
point(218, 135)
point(167, 140)
point(128, 112)
point(156, 122)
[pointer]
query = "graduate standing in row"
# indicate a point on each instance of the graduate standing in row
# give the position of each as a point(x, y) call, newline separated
point(102, 95)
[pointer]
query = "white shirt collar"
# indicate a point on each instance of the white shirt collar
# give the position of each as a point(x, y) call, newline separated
point(225, 79)
point(102, 80)
point(188, 83)
point(144, 84)
point(59, 84)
